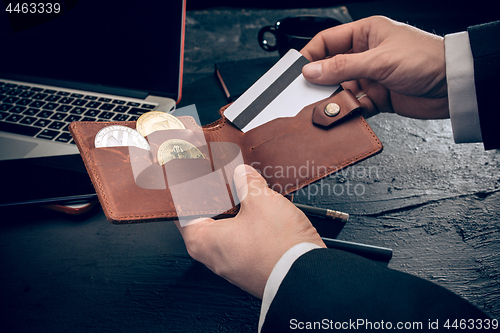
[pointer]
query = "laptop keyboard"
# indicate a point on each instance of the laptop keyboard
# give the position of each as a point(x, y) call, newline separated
point(47, 113)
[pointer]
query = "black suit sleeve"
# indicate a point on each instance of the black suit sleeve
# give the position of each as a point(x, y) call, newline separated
point(485, 45)
point(341, 287)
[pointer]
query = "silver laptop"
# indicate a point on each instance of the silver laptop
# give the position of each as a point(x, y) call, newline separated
point(92, 61)
point(85, 60)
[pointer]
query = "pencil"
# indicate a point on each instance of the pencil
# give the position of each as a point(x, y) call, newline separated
point(323, 212)
point(368, 251)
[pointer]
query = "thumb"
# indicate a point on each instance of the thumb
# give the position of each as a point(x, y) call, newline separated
point(248, 182)
point(338, 69)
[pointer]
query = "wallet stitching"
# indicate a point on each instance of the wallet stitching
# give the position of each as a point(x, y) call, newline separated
point(216, 126)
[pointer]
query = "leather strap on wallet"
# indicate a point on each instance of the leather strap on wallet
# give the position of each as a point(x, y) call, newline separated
point(291, 153)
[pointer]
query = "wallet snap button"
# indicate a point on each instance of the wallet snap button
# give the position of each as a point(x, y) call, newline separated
point(332, 109)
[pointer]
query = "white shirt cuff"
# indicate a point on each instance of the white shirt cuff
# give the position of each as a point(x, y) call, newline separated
point(461, 88)
point(278, 274)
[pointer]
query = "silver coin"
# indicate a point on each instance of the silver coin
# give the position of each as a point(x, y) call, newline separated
point(120, 136)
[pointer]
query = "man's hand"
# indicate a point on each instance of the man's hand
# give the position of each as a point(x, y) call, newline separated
point(245, 249)
point(400, 68)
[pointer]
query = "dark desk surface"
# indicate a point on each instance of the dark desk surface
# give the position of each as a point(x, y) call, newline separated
point(436, 204)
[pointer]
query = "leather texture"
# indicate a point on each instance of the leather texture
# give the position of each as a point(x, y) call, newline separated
point(289, 152)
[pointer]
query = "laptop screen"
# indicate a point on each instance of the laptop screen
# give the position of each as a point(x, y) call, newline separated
point(126, 44)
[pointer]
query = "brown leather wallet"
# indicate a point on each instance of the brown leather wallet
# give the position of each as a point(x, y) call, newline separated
point(289, 152)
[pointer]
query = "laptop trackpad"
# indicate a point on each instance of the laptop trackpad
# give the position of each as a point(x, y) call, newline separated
point(14, 149)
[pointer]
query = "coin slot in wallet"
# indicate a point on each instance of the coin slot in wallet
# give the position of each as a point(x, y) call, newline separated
point(278, 127)
point(195, 188)
point(204, 186)
point(179, 171)
point(224, 157)
point(156, 139)
point(152, 176)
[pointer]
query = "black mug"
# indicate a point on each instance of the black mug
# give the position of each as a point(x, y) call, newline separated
point(294, 32)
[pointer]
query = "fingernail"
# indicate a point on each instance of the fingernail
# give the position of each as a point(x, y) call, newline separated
point(242, 170)
point(312, 70)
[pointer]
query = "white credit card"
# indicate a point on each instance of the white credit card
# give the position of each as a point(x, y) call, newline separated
point(281, 92)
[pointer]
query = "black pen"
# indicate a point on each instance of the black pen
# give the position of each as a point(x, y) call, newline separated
point(323, 212)
point(368, 251)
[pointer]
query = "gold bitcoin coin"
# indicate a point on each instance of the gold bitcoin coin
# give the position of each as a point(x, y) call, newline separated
point(177, 149)
point(153, 121)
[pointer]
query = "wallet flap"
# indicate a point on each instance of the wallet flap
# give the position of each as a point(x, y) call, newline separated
point(335, 108)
